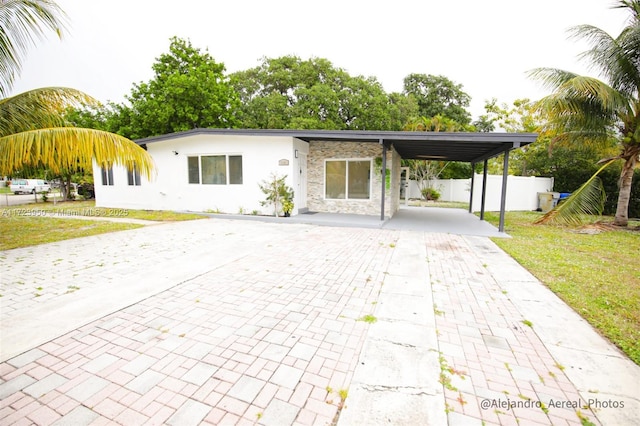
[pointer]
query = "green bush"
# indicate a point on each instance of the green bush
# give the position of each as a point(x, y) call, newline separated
point(430, 194)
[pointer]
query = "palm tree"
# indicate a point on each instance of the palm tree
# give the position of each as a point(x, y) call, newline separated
point(584, 109)
point(33, 131)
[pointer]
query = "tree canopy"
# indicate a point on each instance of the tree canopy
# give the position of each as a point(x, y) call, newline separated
point(437, 95)
point(291, 93)
point(189, 90)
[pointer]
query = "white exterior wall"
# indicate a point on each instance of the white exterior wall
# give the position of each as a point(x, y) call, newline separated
point(522, 191)
point(170, 190)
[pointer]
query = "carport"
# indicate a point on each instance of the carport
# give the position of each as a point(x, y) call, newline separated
point(469, 147)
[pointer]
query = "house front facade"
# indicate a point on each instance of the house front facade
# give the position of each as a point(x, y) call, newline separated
point(219, 170)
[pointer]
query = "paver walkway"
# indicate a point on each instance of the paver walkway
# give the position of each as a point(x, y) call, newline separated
point(241, 322)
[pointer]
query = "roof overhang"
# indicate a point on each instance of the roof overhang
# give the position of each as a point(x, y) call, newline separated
point(471, 147)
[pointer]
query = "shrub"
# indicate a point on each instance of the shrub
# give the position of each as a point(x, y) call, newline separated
point(430, 194)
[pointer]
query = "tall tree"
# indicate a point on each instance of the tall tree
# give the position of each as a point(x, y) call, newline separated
point(437, 95)
point(291, 93)
point(584, 109)
point(33, 131)
point(189, 90)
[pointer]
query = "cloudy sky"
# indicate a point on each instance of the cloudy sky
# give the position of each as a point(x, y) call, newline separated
point(486, 46)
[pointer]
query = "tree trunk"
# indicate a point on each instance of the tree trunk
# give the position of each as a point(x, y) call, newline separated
point(65, 187)
point(626, 177)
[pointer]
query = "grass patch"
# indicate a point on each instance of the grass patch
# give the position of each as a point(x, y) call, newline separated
point(370, 319)
point(88, 208)
point(446, 204)
point(595, 274)
point(162, 216)
point(28, 224)
point(23, 231)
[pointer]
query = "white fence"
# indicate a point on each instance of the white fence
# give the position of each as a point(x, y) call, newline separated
point(522, 191)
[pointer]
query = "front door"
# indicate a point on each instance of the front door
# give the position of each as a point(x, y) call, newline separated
point(300, 195)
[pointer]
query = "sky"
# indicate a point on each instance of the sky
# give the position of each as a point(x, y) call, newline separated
point(486, 46)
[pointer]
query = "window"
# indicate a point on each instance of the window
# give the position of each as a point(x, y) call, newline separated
point(107, 176)
point(194, 169)
point(215, 169)
point(235, 169)
point(133, 177)
point(348, 179)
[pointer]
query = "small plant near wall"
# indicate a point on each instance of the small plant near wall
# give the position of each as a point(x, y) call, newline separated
point(287, 207)
point(277, 194)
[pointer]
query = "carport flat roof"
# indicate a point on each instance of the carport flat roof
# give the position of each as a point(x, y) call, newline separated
point(469, 147)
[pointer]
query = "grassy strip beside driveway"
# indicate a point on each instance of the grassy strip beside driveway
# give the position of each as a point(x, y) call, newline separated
point(595, 273)
point(32, 224)
point(24, 231)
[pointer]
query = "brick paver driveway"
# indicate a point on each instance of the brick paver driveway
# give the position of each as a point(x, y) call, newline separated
point(241, 322)
point(257, 324)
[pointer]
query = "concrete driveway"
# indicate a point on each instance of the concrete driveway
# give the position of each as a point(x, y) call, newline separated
point(244, 322)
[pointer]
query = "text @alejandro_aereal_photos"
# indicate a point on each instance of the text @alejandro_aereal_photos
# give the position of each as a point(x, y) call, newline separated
point(87, 211)
point(591, 403)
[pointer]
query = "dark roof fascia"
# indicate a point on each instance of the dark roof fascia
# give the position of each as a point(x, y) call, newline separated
point(464, 141)
point(176, 135)
point(518, 139)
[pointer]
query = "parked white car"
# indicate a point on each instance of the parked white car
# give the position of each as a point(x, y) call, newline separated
point(29, 186)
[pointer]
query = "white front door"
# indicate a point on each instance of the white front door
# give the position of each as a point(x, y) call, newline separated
point(300, 196)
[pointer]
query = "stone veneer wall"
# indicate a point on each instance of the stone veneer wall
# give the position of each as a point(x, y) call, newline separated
point(319, 151)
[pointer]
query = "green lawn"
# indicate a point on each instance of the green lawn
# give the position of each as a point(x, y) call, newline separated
point(28, 225)
point(596, 274)
point(24, 231)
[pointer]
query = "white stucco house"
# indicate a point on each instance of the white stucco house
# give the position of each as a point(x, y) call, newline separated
point(218, 170)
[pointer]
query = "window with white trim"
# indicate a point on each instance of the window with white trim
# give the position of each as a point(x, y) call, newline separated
point(107, 175)
point(133, 177)
point(215, 169)
point(348, 179)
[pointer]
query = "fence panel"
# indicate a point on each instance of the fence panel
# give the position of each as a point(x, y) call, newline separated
point(522, 191)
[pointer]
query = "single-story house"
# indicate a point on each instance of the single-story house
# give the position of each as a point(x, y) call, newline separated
point(218, 170)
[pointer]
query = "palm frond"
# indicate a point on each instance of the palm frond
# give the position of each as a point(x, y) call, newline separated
point(633, 6)
point(586, 201)
point(40, 108)
point(615, 59)
point(551, 78)
point(22, 22)
point(66, 149)
point(628, 72)
point(583, 108)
